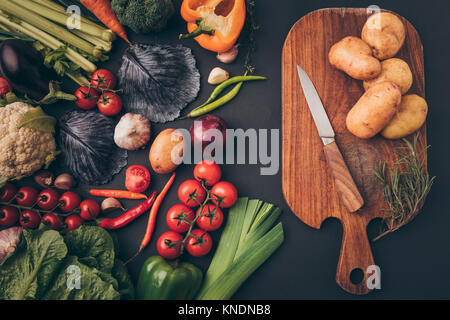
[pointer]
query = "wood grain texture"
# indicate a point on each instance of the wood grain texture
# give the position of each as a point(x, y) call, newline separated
point(343, 180)
point(308, 185)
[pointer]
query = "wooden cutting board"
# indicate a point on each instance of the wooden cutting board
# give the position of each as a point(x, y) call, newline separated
point(308, 186)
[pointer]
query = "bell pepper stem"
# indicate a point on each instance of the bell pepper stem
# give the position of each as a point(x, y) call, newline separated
point(201, 29)
point(55, 94)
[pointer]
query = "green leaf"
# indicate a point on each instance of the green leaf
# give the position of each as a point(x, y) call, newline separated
point(37, 119)
point(50, 158)
point(3, 181)
point(125, 285)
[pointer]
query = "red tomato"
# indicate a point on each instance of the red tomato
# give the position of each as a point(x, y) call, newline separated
point(109, 104)
point(5, 87)
point(224, 193)
point(73, 222)
point(8, 192)
point(208, 171)
point(52, 220)
point(211, 218)
point(177, 217)
point(89, 210)
point(87, 97)
point(191, 193)
point(103, 79)
point(48, 199)
point(8, 216)
point(30, 219)
point(200, 244)
point(27, 196)
point(169, 245)
point(137, 179)
point(69, 201)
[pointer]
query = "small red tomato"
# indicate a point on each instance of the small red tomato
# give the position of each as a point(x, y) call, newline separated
point(191, 193)
point(103, 79)
point(199, 244)
point(30, 219)
point(211, 218)
point(169, 245)
point(48, 199)
point(69, 201)
point(27, 196)
point(224, 193)
point(9, 216)
point(178, 218)
point(73, 222)
point(137, 179)
point(8, 192)
point(5, 87)
point(109, 104)
point(52, 220)
point(89, 210)
point(87, 97)
point(208, 171)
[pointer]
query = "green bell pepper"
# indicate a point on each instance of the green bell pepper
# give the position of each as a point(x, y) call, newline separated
point(160, 280)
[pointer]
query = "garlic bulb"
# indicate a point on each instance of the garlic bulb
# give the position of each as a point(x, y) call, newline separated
point(9, 239)
point(132, 132)
point(228, 56)
point(218, 75)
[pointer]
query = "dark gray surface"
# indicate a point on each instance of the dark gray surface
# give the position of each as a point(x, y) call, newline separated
point(414, 261)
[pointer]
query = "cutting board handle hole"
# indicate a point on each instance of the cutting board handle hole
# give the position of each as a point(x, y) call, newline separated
point(357, 276)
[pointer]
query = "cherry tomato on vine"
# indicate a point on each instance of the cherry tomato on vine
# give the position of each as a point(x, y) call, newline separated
point(89, 210)
point(9, 216)
point(169, 245)
point(30, 219)
point(27, 196)
point(73, 222)
point(191, 193)
point(208, 171)
point(52, 220)
point(137, 179)
point(87, 97)
point(69, 201)
point(224, 193)
point(103, 79)
point(199, 244)
point(48, 199)
point(211, 218)
point(8, 192)
point(109, 104)
point(178, 218)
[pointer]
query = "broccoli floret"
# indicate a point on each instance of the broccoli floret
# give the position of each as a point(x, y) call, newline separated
point(143, 16)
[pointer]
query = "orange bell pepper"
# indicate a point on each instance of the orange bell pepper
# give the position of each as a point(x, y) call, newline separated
point(214, 24)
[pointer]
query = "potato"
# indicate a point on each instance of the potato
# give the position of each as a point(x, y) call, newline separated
point(410, 117)
point(166, 150)
point(385, 33)
point(354, 57)
point(374, 110)
point(393, 70)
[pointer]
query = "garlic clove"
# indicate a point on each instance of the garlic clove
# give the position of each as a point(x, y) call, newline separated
point(111, 204)
point(218, 75)
point(228, 56)
point(65, 181)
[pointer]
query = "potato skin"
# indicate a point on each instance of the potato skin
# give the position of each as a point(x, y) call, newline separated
point(394, 70)
point(385, 33)
point(354, 57)
point(374, 110)
point(411, 115)
point(168, 142)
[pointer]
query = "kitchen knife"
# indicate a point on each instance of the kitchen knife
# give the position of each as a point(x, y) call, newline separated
point(348, 191)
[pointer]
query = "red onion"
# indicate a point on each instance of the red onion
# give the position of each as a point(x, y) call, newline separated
point(199, 130)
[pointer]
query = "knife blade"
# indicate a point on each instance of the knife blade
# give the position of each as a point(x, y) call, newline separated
point(343, 180)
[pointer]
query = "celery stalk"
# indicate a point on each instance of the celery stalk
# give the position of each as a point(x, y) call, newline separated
point(230, 280)
point(104, 45)
point(48, 26)
point(61, 18)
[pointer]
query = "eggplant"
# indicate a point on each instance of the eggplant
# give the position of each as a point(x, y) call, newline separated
point(22, 66)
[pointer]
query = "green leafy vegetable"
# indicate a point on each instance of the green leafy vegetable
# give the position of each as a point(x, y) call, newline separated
point(37, 119)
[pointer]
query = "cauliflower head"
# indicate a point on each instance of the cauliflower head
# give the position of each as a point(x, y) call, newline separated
point(22, 151)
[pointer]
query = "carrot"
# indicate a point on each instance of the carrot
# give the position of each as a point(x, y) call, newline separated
point(103, 11)
point(120, 194)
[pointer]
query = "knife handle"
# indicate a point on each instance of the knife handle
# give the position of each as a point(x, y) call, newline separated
point(344, 182)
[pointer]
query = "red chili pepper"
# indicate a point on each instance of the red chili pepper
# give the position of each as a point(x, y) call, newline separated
point(119, 194)
point(129, 216)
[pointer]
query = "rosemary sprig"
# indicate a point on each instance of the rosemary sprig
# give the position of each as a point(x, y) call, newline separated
point(405, 187)
point(250, 42)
